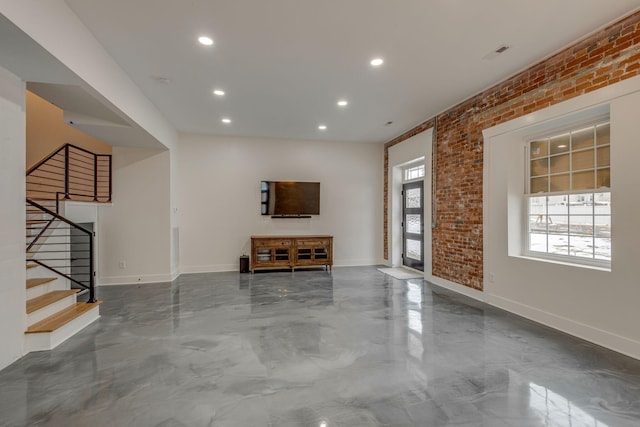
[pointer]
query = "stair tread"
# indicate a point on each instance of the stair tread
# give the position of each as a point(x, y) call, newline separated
point(37, 281)
point(30, 266)
point(42, 301)
point(61, 318)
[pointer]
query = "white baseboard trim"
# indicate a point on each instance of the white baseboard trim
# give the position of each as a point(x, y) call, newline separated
point(586, 332)
point(212, 268)
point(133, 280)
point(456, 287)
point(356, 263)
point(589, 333)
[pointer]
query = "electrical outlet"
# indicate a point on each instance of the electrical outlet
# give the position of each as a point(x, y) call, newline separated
point(122, 264)
point(492, 278)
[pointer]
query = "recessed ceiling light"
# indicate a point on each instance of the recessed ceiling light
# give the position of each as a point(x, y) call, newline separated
point(218, 92)
point(377, 62)
point(226, 120)
point(204, 40)
point(343, 103)
point(322, 127)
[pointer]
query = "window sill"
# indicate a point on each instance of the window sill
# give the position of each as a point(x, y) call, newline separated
point(531, 257)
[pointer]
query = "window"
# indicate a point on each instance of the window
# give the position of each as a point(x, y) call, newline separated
point(569, 196)
point(415, 172)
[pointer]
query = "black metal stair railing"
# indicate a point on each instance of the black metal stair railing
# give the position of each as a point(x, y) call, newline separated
point(71, 173)
point(61, 246)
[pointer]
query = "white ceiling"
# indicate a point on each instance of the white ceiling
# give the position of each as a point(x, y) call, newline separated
point(285, 63)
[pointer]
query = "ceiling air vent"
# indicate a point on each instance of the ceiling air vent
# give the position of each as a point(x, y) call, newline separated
point(497, 51)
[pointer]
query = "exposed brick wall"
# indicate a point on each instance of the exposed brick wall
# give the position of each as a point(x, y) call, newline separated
point(609, 56)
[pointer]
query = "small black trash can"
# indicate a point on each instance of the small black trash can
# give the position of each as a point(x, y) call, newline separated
point(244, 264)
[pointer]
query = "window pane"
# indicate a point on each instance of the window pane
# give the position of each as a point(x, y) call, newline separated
point(581, 225)
point(603, 203)
point(603, 156)
point(602, 226)
point(583, 160)
point(559, 144)
point(538, 242)
point(412, 197)
point(539, 167)
point(414, 172)
point(539, 185)
point(414, 249)
point(602, 248)
point(604, 178)
point(581, 204)
point(602, 134)
point(537, 205)
point(582, 138)
point(538, 149)
point(581, 246)
point(549, 224)
point(560, 163)
point(560, 182)
point(558, 244)
point(558, 205)
point(413, 224)
point(537, 224)
point(583, 180)
point(558, 224)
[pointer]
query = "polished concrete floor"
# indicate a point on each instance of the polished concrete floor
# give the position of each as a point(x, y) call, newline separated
point(350, 348)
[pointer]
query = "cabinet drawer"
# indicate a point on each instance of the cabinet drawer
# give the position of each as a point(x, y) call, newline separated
point(272, 242)
point(313, 242)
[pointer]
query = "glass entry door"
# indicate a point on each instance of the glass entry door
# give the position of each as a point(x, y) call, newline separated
point(413, 225)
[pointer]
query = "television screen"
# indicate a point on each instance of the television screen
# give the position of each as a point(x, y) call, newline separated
point(290, 198)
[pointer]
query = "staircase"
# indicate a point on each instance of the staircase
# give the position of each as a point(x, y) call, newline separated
point(60, 284)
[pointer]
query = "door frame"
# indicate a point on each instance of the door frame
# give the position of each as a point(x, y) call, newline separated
point(411, 151)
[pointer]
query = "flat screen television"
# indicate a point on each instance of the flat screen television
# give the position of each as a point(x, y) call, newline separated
point(290, 198)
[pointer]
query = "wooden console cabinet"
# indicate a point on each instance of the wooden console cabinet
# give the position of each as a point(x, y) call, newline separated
point(291, 252)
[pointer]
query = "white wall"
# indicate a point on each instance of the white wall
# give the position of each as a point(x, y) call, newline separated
point(13, 320)
point(220, 197)
point(136, 228)
point(418, 146)
point(597, 305)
